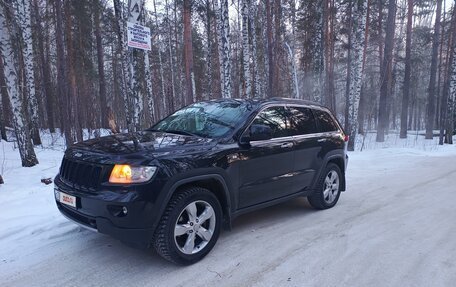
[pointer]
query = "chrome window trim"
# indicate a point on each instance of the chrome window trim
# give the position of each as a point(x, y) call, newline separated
point(303, 136)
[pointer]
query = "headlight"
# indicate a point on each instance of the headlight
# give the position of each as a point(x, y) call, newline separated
point(124, 173)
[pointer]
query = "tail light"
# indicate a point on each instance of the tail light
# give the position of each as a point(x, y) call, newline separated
point(346, 138)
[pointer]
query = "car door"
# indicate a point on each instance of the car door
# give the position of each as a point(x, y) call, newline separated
point(307, 146)
point(266, 173)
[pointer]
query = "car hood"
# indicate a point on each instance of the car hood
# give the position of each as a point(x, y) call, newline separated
point(144, 142)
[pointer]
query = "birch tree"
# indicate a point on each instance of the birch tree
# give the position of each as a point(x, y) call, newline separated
point(8, 51)
point(246, 48)
point(188, 52)
point(209, 49)
point(160, 63)
point(359, 27)
point(123, 54)
point(148, 76)
point(171, 57)
point(135, 15)
point(24, 17)
point(224, 44)
point(256, 75)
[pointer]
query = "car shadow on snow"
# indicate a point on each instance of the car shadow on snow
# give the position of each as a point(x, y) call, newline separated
point(111, 251)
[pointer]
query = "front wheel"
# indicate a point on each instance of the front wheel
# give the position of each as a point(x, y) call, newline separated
point(327, 190)
point(189, 227)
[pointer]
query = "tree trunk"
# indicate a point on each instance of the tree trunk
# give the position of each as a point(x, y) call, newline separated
point(73, 99)
point(62, 75)
point(8, 51)
point(135, 15)
point(160, 63)
point(277, 54)
point(25, 20)
point(188, 52)
point(256, 74)
point(386, 71)
point(270, 49)
point(171, 59)
point(408, 70)
point(318, 53)
point(45, 70)
point(3, 95)
point(100, 62)
point(451, 93)
point(356, 77)
point(430, 111)
point(225, 49)
point(246, 49)
point(209, 50)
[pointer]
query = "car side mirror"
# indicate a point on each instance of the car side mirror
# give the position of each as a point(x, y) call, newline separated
point(255, 133)
point(260, 132)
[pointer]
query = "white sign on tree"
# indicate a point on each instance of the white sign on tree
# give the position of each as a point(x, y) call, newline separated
point(138, 36)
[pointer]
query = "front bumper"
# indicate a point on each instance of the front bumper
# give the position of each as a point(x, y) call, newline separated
point(101, 212)
point(139, 237)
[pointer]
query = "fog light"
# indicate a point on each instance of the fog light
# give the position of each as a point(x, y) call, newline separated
point(124, 210)
point(56, 194)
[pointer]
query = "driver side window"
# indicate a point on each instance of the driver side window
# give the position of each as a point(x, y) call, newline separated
point(277, 119)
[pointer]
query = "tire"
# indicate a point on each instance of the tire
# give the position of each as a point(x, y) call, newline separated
point(188, 218)
point(326, 196)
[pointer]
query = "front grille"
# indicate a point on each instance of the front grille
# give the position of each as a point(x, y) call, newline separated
point(81, 174)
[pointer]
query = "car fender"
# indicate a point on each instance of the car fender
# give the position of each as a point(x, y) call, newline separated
point(194, 176)
point(336, 154)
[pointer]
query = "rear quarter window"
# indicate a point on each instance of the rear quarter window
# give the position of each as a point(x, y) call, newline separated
point(325, 121)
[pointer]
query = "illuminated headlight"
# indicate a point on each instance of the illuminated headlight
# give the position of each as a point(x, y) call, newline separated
point(124, 173)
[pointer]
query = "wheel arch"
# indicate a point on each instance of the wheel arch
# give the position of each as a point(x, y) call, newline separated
point(215, 183)
point(337, 159)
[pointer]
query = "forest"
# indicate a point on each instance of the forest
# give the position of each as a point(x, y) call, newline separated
point(383, 66)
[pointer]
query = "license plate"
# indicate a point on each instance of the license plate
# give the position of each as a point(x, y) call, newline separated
point(67, 199)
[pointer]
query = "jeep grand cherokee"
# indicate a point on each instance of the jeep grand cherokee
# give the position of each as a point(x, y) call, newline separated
point(175, 185)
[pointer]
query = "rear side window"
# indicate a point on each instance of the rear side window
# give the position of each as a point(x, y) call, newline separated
point(325, 121)
point(302, 121)
point(276, 118)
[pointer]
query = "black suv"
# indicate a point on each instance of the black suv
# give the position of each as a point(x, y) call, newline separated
point(176, 184)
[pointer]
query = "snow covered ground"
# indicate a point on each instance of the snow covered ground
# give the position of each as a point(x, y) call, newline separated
point(395, 226)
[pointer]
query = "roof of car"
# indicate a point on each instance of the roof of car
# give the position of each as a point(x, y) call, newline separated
point(276, 100)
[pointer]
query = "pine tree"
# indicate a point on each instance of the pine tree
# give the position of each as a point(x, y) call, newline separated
point(408, 68)
point(385, 74)
point(100, 64)
point(430, 114)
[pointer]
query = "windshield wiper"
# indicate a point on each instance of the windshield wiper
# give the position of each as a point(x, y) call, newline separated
point(179, 132)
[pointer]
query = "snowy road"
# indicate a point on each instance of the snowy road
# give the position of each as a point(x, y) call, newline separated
point(395, 226)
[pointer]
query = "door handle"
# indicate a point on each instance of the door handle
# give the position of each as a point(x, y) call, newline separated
point(286, 145)
point(321, 140)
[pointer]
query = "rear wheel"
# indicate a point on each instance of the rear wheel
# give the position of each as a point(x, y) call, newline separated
point(190, 226)
point(327, 190)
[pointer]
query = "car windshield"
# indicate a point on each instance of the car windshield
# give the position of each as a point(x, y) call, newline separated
point(205, 119)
